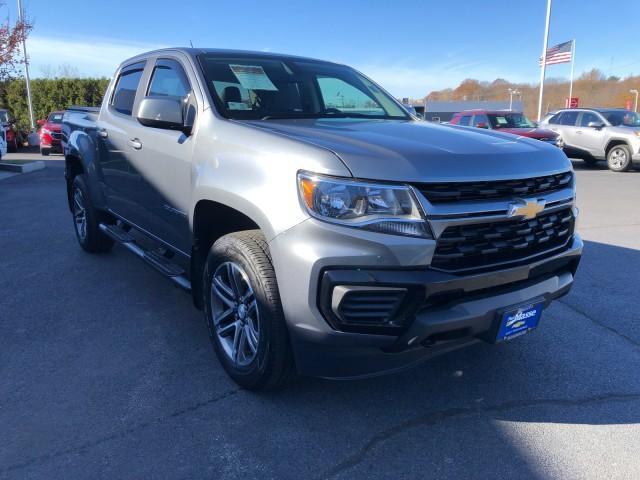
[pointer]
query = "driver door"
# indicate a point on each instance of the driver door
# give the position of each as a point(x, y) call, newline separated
point(591, 139)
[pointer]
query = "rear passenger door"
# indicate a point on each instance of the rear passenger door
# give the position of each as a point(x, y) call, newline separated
point(114, 123)
point(567, 127)
point(161, 160)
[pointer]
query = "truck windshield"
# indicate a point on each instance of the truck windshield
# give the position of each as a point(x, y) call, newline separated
point(510, 120)
point(625, 118)
point(262, 87)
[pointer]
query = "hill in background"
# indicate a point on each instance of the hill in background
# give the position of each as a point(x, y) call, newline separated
point(593, 88)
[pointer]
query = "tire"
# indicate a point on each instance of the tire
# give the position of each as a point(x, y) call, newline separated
point(261, 357)
point(619, 158)
point(44, 152)
point(86, 219)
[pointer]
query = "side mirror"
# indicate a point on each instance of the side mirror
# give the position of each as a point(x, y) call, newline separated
point(597, 125)
point(482, 125)
point(162, 112)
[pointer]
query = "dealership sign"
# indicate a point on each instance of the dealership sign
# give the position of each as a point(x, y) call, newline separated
point(572, 102)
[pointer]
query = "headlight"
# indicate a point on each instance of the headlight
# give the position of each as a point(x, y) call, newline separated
point(381, 208)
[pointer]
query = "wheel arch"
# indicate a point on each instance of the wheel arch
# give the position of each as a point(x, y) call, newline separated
point(613, 143)
point(211, 221)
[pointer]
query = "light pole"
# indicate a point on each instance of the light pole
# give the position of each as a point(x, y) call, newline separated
point(512, 92)
point(635, 104)
point(26, 68)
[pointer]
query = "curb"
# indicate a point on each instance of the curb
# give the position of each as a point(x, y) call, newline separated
point(22, 167)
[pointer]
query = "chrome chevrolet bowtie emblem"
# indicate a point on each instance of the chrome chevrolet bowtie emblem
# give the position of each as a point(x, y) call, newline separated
point(526, 208)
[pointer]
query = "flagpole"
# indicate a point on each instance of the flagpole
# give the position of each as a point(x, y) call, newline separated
point(573, 59)
point(544, 59)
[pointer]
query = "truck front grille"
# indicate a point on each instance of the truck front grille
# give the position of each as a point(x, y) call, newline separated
point(481, 245)
point(458, 191)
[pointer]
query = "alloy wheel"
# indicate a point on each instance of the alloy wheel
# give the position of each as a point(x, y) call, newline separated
point(235, 313)
point(618, 158)
point(80, 214)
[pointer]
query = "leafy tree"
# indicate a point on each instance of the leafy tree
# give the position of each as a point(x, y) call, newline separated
point(11, 38)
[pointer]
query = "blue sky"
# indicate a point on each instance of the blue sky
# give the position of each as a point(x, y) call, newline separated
point(409, 46)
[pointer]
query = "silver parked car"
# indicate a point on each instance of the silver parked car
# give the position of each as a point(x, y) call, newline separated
point(598, 134)
point(321, 228)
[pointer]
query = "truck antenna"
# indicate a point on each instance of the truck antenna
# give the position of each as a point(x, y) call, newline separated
point(191, 43)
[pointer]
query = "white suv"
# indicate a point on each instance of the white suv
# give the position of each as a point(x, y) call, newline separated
point(598, 134)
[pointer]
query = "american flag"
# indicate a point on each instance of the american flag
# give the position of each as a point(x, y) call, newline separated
point(560, 53)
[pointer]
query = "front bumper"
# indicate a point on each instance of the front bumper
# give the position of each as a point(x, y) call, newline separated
point(453, 311)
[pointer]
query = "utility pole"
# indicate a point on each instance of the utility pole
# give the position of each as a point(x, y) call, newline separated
point(26, 68)
point(635, 104)
point(512, 92)
point(544, 58)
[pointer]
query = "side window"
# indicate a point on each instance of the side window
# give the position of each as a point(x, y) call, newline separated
point(569, 118)
point(465, 120)
point(589, 117)
point(125, 92)
point(555, 120)
point(481, 120)
point(340, 95)
point(169, 80)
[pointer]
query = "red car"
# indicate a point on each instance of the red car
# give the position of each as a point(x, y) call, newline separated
point(10, 134)
point(51, 134)
point(505, 121)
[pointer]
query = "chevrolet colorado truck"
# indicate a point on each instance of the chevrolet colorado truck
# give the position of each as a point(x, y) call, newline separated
point(322, 229)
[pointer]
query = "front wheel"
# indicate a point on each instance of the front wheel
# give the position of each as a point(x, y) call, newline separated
point(619, 158)
point(45, 152)
point(243, 312)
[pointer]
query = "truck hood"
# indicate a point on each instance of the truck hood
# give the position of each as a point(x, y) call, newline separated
point(413, 151)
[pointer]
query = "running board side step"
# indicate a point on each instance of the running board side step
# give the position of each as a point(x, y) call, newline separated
point(157, 261)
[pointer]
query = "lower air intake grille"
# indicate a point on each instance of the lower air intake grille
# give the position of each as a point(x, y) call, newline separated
point(370, 307)
point(482, 245)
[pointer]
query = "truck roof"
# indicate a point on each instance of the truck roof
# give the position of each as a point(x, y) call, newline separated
point(193, 52)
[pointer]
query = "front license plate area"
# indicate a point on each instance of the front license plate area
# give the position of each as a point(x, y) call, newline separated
point(518, 321)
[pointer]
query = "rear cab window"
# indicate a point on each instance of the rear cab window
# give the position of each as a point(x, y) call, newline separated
point(124, 93)
point(465, 120)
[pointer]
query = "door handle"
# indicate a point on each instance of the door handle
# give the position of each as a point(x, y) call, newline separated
point(579, 132)
point(103, 133)
point(135, 144)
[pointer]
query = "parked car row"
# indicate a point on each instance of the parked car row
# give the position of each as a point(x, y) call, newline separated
point(590, 134)
point(507, 122)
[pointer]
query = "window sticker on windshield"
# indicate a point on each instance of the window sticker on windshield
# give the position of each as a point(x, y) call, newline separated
point(238, 106)
point(252, 77)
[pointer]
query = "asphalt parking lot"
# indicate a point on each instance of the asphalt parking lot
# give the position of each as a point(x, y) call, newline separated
point(106, 371)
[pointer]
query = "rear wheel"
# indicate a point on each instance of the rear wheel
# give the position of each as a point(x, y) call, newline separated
point(243, 312)
point(619, 158)
point(86, 219)
point(45, 152)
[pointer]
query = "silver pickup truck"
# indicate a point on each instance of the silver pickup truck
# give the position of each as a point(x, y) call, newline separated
point(321, 228)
